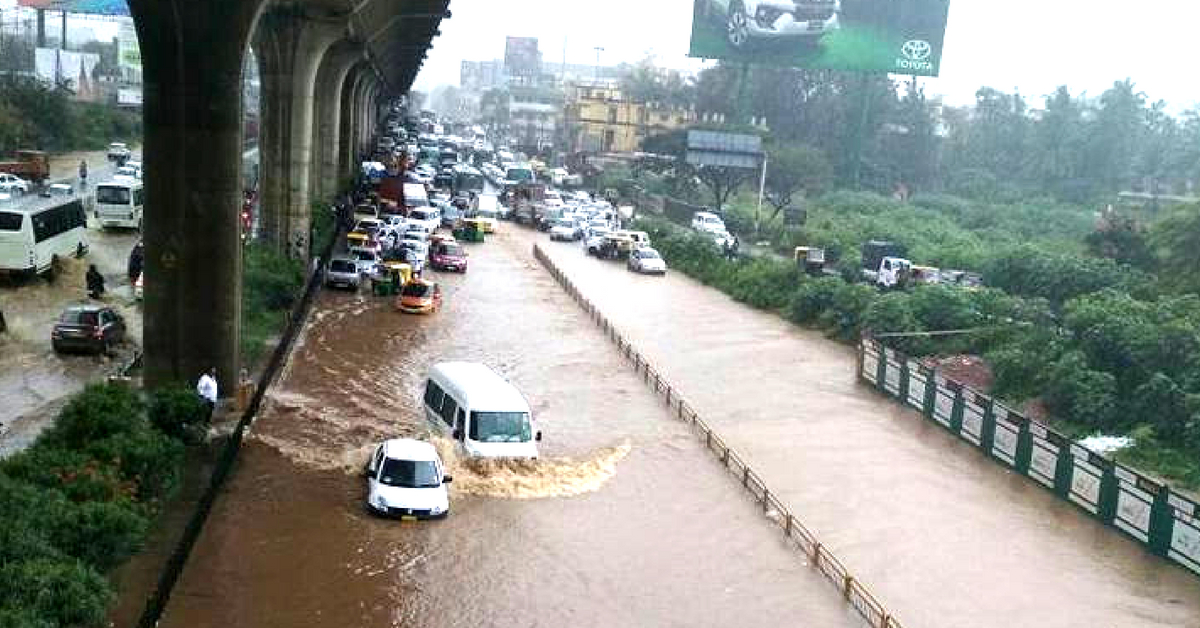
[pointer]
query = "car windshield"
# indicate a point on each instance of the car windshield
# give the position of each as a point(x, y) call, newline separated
point(366, 256)
point(410, 473)
point(450, 250)
point(648, 254)
point(500, 427)
point(342, 266)
point(418, 290)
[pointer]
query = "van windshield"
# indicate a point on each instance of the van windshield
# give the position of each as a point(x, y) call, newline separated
point(500, 427)
point(112, 195)
point(410, 473)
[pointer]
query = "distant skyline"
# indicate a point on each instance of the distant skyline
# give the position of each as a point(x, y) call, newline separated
point(1030, 45)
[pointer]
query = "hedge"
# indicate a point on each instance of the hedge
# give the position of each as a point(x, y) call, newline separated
point(80, 501)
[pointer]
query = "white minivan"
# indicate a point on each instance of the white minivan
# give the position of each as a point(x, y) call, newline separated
point(482, 411)
point(120, 204)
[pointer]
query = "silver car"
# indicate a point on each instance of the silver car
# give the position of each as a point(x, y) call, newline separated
point(342, 272)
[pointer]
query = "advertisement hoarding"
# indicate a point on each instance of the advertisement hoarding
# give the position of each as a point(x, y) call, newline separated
point(129, 55)
point(521, 56)
point(892, 36)
point(94, 7)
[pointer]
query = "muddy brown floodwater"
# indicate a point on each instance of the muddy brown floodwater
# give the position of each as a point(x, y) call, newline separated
point(626, 521)
point(942, 535)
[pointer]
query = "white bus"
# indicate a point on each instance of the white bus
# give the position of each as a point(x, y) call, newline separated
point(120, 204)
point(31, 237)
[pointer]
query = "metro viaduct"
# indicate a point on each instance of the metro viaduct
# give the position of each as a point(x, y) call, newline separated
point(328, 68)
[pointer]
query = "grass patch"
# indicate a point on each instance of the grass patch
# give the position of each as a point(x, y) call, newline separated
point(271, 285)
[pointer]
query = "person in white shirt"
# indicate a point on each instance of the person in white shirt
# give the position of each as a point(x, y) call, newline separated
point(207, 389)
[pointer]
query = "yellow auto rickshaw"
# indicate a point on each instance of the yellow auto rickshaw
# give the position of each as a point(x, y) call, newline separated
point(471, 230)
point(360, 239)
point(392, 278)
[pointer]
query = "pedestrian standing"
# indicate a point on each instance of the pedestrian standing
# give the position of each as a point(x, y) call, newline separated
point(207, 389)
point(83, 172)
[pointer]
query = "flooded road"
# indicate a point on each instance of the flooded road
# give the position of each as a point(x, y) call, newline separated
point(625, 521)
point(943, 536)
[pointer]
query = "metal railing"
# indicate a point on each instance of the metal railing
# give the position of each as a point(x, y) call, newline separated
point(855, 593)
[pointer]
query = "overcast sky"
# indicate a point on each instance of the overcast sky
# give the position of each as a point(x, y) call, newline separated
point(1033, 45)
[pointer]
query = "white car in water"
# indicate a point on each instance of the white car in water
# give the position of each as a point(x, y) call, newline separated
point(406, 479)
point(647, 261)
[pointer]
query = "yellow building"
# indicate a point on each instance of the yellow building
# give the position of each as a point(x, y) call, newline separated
point(599, 119)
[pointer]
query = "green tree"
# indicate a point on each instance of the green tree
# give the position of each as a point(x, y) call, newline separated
point(794, 169)
point(1174, 242)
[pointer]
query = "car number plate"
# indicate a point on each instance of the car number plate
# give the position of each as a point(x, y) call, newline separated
point(408, 517)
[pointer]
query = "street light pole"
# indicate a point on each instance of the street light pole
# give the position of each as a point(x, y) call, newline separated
point(762, 188)
point(599, 49)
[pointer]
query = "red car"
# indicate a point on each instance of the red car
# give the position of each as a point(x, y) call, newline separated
point(448, 256)
point(92, 328)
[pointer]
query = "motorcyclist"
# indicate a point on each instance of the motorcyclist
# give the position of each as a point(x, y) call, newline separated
point(95, 282)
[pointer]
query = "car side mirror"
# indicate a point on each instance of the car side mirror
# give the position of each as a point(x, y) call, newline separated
point(368, 472)
point(457, 434)
point(538, 437)
point(447, 479)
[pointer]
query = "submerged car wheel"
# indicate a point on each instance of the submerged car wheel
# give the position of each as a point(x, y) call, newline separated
point(738, 26)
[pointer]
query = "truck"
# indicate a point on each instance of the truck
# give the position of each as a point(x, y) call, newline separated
point(884, 264)
point(526, 203)
point(31, 165)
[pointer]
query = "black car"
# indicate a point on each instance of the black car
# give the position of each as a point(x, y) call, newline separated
point(94, 328)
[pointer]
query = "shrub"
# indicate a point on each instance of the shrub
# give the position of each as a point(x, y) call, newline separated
point(812, 298)
point(844, 318)
point(101, 534)
point(1080, 394)
point(179, 413)
point(100, 411)
point(146, 458)
point(76, 474)
point(62, 593)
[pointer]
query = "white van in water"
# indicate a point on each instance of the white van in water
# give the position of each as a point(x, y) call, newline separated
point(486, 415)
point(120, 204)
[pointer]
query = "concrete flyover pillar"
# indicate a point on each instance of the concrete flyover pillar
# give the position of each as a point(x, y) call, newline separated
point(326, 171)
point(293, 45)
point(349, 121)
point(192, 69)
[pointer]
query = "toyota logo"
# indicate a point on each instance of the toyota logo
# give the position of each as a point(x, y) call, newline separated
point(916, 50)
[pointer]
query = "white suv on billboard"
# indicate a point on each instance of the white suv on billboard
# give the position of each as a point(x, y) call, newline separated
point(747, 21)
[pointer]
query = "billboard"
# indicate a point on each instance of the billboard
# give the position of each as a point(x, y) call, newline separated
point(129, 55)
point(893, 36)
point(521, 57)
point(95, 7)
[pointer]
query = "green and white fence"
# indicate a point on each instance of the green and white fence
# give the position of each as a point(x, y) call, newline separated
point(854, 592)
point(1166, 522)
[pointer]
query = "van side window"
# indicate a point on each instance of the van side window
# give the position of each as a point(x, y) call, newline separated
point(433, 395)
point(449, 407)
point(375, 464)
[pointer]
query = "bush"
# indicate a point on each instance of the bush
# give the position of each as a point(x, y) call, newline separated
point(100, 411)
point(813, 298)
point(148, 459)
point(60, 593)
point(77, 475)
point(101, 534)
point(179, 413)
